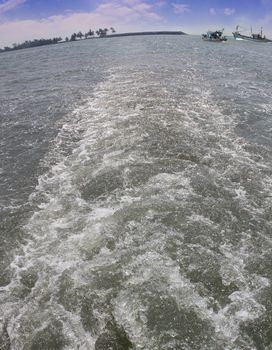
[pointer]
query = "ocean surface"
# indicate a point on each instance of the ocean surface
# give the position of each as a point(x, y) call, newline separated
point(136, 195)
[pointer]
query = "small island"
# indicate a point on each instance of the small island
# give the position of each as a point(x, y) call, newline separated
point(100, 33)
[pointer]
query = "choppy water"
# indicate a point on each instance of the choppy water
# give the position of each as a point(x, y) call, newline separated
point(136, 195)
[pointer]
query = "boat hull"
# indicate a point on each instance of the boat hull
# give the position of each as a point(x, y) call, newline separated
point(214, 40)
point(238, 36)
point(216, 36)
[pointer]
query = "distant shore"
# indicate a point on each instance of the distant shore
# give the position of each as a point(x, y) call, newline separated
point(43, 42)
point(146, 33)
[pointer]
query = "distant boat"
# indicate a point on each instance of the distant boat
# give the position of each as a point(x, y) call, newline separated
point(259, 37)
point(216, 36)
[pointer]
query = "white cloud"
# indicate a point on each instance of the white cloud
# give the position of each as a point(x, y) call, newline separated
point(10, 4)
point(127, 10)
point(180, 8)
point(212, 11)
point(125, 15)
point(229, 11)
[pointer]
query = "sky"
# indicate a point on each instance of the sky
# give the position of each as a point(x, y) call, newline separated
point(22, 20)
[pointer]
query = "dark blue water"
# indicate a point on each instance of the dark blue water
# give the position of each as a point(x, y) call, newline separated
point(136, 195)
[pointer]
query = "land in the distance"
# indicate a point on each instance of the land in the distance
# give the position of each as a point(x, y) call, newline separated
point(147, 33)
point(101, 33)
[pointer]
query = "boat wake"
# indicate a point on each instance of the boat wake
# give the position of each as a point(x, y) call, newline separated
point(151, 232)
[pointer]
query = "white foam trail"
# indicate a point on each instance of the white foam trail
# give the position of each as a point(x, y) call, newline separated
point(150, 232)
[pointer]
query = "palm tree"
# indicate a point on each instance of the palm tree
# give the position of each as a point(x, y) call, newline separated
point(90, 33)
point(73, 37)
point(79, 35)
point(102, 32)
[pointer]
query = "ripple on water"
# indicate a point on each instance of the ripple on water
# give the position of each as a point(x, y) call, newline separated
point(153, 224)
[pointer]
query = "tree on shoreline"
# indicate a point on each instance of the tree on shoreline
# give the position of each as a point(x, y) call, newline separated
point(79, 35)
point(90, 33)
point(73, 37)
point(101, 33)
point(32, 43)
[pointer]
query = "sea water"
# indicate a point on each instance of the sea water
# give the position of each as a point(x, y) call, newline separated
point(136, 178)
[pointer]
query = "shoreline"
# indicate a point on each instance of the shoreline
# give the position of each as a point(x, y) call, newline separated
point(103, 37)
point(146, 33)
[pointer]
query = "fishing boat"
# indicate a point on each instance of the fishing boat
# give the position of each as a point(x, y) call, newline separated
point(259, 37)
point(216, 36)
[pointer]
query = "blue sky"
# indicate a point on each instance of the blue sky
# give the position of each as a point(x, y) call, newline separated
point(29, 19)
